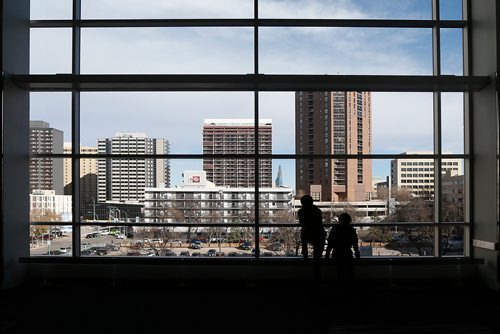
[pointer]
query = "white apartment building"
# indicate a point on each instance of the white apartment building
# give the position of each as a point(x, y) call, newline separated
point(201, 201)
point(47, 202)
point(125, 180)
point(417, 175)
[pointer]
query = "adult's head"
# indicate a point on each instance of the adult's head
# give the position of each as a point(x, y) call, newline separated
point(345, 218)
point(306, 200)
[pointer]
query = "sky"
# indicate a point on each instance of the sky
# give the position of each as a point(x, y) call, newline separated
point(401, 122)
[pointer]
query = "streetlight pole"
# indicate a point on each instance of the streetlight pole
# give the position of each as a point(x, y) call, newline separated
point(221, 206)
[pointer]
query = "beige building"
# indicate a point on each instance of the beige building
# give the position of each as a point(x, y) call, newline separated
point(333, 123)
point(417, 175)
point(88, 173)
point(237, 136)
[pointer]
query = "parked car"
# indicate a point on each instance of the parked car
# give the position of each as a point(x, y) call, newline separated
point(93, 235)
point(197, 244)
point(456, 242)
point(54, 252)
point(184, 253)
point(120, 236)
point(246, 246)
point(113, 247)
point(65, 250)
point(177, 243)
point(169, 252)
point(101, 250)
point(276, 247)
point(87, 252)
point(211, 252)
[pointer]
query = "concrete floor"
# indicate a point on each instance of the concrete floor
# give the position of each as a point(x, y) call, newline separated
point(259, 307)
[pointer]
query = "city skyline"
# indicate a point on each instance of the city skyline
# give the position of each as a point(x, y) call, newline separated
point(282, 51)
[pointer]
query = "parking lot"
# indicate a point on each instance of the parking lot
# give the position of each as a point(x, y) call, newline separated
point(92, 244)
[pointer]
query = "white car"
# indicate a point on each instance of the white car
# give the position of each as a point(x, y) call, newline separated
point(65, 250)
point(120, 236)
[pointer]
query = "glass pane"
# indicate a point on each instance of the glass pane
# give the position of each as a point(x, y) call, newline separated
point(48, 201)
point(51, 9)
point(178, 118)
point(450, 9)
point(50, 113)
point(381, 123)
point(154, 9)
point(280, 109)
point(50, 240)
point(402, 122)
point(346, 51)
point(198, 197)
point(103, 240)
point(281, 241)
point(167, 50)
point(340, 9)
point(452, 238)
point(50, 50)
point(452, 52)
point(452, 118)
point(453, 190)
point(412, 190)
point(189, 242)
point(396, 240)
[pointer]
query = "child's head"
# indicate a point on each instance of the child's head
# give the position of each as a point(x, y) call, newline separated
point(306, 200)
point(345, 218)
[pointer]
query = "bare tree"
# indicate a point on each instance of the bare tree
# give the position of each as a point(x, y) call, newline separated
point(288, 236)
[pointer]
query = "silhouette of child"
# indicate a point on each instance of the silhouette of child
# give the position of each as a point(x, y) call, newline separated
point(341, 240)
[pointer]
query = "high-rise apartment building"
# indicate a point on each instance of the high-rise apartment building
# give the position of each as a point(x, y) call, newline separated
point(417, 175)
point(124, 180)
point(46, 173)
point(88, 173)
point(237, 136)
point(333, 123)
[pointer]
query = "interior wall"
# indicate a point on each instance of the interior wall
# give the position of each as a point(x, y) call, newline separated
point(485, 47)
point(15, 191)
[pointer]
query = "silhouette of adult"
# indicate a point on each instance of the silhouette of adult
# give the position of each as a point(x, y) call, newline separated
point(342, 239)
point(312, 232)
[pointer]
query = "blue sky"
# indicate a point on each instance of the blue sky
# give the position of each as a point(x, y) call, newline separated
point(401, 121)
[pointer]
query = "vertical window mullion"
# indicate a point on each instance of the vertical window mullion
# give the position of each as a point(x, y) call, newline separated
point(436, 71)
point(466, 48)
point(75, 128)
point(256, 127)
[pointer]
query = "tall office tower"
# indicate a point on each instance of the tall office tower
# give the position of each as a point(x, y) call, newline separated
point(124, 180)
point(46, 173)
point(88, 174)
point(237, 136)
point(333, 123)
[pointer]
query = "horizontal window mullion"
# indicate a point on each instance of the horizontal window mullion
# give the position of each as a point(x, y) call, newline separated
point(267, 225)
point(349, 23)
point(250, 82)
point(253, 156)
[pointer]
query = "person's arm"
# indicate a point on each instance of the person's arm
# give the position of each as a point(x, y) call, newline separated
point(329, 247)
point(355, 245)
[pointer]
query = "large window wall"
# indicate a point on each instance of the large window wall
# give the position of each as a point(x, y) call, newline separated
point(398, 163)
